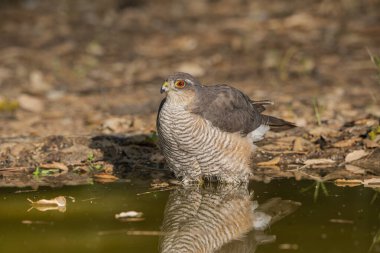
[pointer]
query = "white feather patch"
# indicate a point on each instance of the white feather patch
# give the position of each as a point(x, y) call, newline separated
point(258, 133)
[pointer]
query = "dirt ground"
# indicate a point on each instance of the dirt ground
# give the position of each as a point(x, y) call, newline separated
point(80, 84)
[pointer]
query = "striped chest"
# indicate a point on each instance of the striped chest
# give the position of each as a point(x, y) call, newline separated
point(194, 148)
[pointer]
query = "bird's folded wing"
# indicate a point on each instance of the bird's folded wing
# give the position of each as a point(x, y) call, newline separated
point(228, 109)
point(232, 111)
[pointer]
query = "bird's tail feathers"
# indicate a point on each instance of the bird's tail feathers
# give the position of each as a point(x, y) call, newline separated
point(277, 124)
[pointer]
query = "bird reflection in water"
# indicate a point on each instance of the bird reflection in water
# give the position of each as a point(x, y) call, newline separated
point(219, 219)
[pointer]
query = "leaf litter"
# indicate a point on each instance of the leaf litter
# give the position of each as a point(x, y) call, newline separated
point(334, 119)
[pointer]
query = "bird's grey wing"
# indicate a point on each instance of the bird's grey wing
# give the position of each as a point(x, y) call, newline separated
point(158, 113)
point(232, 111)
point(227, 108)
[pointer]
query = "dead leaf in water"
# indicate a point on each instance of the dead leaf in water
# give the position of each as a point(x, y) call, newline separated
point(274, 161)
point(355, 155)
point(129, 214)
point(58, 203)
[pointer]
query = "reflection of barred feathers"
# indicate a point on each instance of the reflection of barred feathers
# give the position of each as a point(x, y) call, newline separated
point(206, 220)
point(208, 131)
point(198, 221)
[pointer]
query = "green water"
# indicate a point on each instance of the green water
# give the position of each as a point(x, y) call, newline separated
point(336, 220)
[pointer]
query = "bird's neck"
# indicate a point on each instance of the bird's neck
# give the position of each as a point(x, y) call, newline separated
point(179, 100)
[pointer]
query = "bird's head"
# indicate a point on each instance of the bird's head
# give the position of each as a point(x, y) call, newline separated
point(180, 86)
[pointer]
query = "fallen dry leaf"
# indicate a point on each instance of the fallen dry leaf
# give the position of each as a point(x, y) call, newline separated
point(355, 155)
point(355, 169)
point(108, 169)
point(273, 161)
point(104, 177)
point(370, 144)
point(318, 161)
point(346, 143)
point(279, 146)
point(325, 131)
point(372, 182)
point(30, 103)
point(55, 165)
point(348, 182)
point(297, 145)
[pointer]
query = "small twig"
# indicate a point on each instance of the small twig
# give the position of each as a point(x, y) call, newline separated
point(283, 152)
point(161, 190)
point(316, 111)
point(131, 232)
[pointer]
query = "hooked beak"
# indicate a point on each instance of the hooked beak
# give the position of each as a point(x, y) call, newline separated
point(164, 87)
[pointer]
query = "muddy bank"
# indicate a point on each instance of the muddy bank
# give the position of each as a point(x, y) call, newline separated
point(80, 83)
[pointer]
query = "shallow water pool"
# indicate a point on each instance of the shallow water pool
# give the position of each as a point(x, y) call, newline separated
point(280, 216)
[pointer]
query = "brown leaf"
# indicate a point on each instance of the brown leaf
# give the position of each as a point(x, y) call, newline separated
point(297, 145)
point(355, 169)
point(274, 161)
point(325, 131)
point(108, 169)
point(279, 146)
point(355, 155)
point(30, 103)
point(346, 143)
point(370, 144)
point(55, 165)
point(348, 182)
point(105, 178)
point(318, 161)
point(372, 182)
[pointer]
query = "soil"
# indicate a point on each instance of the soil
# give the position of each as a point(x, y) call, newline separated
point(80, 84)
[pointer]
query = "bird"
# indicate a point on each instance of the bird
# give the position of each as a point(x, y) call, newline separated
point(207, 132)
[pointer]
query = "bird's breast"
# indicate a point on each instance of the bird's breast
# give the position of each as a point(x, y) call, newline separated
point(191, 144)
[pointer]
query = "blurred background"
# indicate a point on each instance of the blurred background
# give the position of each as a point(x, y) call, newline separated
point(75, 67)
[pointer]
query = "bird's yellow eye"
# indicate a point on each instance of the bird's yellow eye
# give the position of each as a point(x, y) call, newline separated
point(180, 84)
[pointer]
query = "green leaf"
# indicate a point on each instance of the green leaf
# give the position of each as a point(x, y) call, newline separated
point(90, 157)
point(374, 133)
point(153, 137)
point(37, 171)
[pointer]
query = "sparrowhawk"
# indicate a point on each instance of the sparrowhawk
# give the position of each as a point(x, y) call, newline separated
point(209, 131)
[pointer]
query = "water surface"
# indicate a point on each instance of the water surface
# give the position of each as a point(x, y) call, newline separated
point(305, 217)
